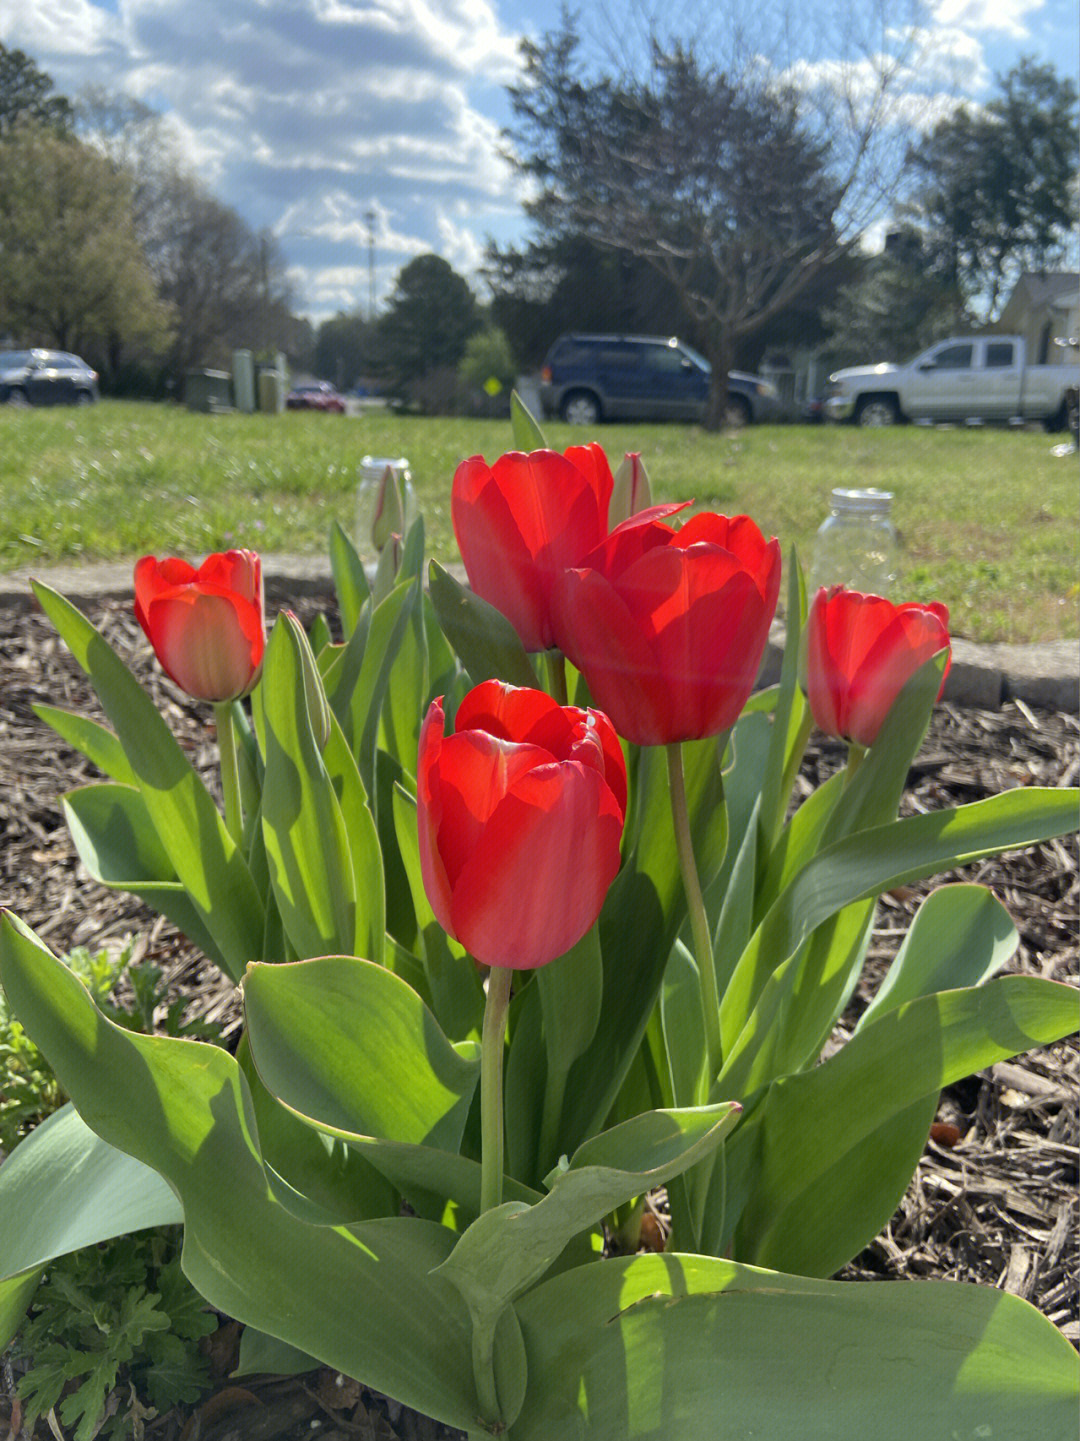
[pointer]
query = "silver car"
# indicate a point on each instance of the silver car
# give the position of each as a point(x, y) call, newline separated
point(46, 377)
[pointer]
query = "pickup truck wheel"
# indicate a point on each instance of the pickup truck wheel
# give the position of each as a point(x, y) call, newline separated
point(580, 408)
point(877, 410)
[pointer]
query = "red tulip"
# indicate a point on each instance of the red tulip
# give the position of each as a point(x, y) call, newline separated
point(669, 626)
point(521, 814)
point(206, 625)
point(860, 651)
point(520, 522)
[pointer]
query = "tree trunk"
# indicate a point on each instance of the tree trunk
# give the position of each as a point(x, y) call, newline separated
point(719, 352)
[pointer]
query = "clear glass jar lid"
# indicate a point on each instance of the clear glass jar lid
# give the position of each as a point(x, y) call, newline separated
point(861, 502)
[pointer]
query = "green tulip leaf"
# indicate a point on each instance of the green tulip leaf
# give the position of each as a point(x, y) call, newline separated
point(390, 624)
point(686, 1347)
point(791, 719)
point(327, 1034)
point(365, 853)
point(263, 1355)
point(961, 936)
point(95, 741)
point(61, 1189)
point(303, 829)
point(116, 842)
point(486, 643)
point(570, 991)
point(869, 862)
point(510, 1247)
point(798, 842)
point(407, 688)
point(350, 579)
point(527, 433)
point(829, 1168)
point(207, 861)
point(360, 1298)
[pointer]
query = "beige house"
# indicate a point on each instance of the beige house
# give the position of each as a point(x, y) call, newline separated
point(1044, 307)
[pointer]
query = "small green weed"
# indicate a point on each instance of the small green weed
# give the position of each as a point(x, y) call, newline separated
point(120, 1320)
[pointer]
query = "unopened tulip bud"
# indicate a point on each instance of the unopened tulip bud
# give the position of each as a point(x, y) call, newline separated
point(318, 707)
point(389, 517)
point(632, 491)
point(386, 572)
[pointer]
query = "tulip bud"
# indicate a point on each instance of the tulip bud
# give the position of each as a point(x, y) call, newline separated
point(386, 572)
point(318, 707)
point(389, 517)
point(632, 491)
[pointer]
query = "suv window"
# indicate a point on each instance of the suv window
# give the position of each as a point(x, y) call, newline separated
point(618, 357)
point(665, 358)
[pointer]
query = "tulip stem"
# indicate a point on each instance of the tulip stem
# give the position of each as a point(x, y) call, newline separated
point(230, 772)
point(491, 1086)
point(556, 669)
point(695, 904)
point(856, 753)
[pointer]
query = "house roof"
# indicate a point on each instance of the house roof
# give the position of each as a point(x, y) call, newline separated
point(1046, 286)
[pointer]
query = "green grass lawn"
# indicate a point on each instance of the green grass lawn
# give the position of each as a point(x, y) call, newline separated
point(987, 517)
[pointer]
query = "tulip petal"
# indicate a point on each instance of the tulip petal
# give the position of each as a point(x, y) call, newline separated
point(537, 880)
point(913, 636)
point(604, 641)
point(476, 770)
point(509, 712)
point(201, 642)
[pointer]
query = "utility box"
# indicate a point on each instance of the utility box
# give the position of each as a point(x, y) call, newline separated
point(243, 374)
point(271, 392)
point(208, 391)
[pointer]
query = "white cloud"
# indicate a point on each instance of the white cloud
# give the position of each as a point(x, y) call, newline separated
point(1007, 17)
point(57, 27)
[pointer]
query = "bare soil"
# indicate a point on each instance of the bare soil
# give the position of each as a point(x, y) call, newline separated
point(994, 1199)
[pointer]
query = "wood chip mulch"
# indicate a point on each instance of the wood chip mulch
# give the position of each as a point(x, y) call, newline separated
point(994, 1199)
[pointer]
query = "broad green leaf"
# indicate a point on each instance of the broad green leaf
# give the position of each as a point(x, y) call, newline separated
point(116, 842)
point(679, 1348)
point(407, 689)
point(570, 989)
point(807, 1210)
point(961, 936)
point(412, 554)
point(320, 637)
point(527, 433)
point(207, 861)
point(736, 920)
point(799, 840)
point(390, 622)
point(486, 643)
point(365, 852)
point(327, 1034)
point(509, 1248)
point(350, 578)
point(63, 1188)
point(643, 914)
point(303, 829)
point(869, 862)
point(684, 1028)
point(359, 1298)
point(316, 1177)
point(95, 741)
point(261, 1354)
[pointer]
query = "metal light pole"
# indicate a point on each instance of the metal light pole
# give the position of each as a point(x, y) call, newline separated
point(371, 216)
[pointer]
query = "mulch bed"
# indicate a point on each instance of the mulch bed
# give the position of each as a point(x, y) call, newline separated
point(994, 1199)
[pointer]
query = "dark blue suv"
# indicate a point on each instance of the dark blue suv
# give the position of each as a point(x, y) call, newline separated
point(588, 378)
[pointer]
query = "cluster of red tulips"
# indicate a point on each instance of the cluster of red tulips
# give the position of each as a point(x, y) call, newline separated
point(667, 624)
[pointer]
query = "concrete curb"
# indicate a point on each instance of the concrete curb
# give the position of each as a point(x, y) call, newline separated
point(1045, 674)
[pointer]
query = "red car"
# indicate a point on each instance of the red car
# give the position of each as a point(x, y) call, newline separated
point(320, 395)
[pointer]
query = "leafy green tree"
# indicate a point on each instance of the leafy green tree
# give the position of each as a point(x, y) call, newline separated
point(994, 189)
point(71, 269)
point(26, 93)
point(429, 318)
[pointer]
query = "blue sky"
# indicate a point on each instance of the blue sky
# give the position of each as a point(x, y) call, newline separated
point(306, 115)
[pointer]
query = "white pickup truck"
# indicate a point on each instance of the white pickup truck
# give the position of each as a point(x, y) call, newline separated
point(966, 380)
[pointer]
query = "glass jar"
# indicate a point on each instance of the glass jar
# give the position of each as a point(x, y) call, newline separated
point(369, 494)
point(857, 546)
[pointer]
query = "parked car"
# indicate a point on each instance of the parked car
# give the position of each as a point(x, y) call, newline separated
point(46, 377)
point(319, 395)
point(589, 378)
point(965, 379)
